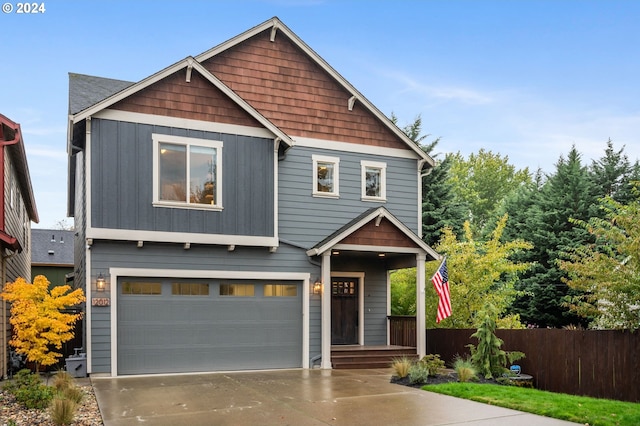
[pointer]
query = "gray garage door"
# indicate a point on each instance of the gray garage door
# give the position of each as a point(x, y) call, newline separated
point(174, 326)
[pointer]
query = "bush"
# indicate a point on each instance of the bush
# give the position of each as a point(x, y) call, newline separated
point(73, 393)
point(62, 410)
point(62, 380)
point(432, 363)
point(29, 390)
point(418, 374)
point(465, 370)
point(401, 366)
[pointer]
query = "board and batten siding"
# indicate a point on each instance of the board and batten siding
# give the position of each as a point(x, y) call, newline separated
point(306, 220)
point(113, 254)
point(122, 183)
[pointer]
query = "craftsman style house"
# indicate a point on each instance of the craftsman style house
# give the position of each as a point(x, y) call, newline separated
point(240, 209)
point(17, 211)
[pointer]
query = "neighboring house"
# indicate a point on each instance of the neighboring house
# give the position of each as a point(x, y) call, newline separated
point(240, 209)
point(52, 255)
point(17, 211)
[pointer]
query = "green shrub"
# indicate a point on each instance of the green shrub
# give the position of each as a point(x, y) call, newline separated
point(418, 374)
point(465, 370)
point(63, 410)
point(401, 366)
point(432, 363)
point(29, 390)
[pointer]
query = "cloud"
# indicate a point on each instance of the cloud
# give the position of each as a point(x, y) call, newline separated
point(454, 93)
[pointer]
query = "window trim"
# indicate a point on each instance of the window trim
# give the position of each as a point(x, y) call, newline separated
point(157, 139)
point(364, 164)
point(336, 176)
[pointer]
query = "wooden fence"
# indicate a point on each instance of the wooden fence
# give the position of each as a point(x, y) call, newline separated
point(597, 363)
point(402, 330)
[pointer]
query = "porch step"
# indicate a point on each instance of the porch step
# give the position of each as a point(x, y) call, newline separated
point(358, 357)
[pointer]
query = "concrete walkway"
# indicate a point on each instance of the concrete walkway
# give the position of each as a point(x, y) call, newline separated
point(291, 397)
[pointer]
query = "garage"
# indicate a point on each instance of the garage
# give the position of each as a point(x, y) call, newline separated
point(179, 325)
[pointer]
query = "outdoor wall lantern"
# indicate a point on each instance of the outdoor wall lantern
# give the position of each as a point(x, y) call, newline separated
point(317, 287)
point(101, 283)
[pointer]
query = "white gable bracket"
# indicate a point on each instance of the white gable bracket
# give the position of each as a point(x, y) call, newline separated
point(189, 69)
point(352, 101)
point(274, 29)
point(379, 219)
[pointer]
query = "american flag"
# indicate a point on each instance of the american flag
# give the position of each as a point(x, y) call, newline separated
point(440, 282)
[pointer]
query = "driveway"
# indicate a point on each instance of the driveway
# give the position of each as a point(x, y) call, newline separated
point(290, 397)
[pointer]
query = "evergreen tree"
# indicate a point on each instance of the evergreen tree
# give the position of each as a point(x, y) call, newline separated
point(543, 217)
point(613, 175)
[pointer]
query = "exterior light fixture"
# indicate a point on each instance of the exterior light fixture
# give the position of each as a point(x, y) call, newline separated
point(317, 287)
point(101, 283)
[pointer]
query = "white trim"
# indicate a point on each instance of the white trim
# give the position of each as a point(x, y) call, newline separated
point(360, 276)
point(377, 249)
point(115, 273)
point(180, 237)
point(183, 123)
point(88, 307)
point(187, 142)
point(421, 337)
point(364, 164)
point(388, 307)
point(354, 147)
point(276, 205)
point(336, 176)
point(325, 312)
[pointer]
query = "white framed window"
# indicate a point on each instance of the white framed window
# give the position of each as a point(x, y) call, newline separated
point(374, 180)
point(187, 172)
point(326, 173)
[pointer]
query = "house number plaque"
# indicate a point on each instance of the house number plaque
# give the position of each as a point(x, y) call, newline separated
point(100, 301)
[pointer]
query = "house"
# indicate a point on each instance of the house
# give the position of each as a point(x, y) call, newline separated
point(17, 211)
point(240, 209)
point(52, 255)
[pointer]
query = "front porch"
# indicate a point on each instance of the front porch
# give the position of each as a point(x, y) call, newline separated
point(358, 356)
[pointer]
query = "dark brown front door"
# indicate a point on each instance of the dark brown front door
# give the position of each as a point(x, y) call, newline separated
point(344, 311)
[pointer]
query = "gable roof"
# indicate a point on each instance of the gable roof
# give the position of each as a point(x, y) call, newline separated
point(87, 90)
point(275, 25)
point(52, 247)
point(188, 64)
point(375, 215)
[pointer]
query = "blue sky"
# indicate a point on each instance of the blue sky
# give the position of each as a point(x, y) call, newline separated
point(526, 79)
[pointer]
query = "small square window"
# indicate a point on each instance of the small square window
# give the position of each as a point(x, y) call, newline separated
point(189, 289)
point(238, 290)
point(374, 176)
point(142, 288)
point(280, 290)
point(326, 176)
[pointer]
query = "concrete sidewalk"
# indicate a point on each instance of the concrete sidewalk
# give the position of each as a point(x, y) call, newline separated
point(291, 397)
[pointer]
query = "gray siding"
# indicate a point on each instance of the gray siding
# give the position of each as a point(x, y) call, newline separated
point(306, 220)
point(122, 183)
point(172, 256)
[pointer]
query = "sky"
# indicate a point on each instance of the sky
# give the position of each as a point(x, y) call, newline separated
point(524, 79)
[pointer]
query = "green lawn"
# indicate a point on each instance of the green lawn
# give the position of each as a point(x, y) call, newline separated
point(578, 409)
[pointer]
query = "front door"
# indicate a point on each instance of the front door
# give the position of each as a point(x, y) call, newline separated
point(344, 311)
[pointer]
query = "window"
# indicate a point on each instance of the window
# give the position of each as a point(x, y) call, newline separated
point(325, 176)
point(137, 287)
point(374, 176)
point(280, 290)
point(187, 172)
point(239, 290)
point(189, 289)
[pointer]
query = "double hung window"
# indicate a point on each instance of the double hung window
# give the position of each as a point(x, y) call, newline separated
point(187, 172)
point(374, 180)
point(326, 176)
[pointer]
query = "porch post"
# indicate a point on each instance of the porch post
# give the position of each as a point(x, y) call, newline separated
point(421, 337)
point(326, 310)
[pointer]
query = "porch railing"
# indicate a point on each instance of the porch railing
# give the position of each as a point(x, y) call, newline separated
point(402, 330)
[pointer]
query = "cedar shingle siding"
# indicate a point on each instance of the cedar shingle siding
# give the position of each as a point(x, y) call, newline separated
point(385, 234)
point(295, 94)
point(197, 100)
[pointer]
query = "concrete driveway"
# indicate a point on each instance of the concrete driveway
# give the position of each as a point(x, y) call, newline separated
point(290, 397)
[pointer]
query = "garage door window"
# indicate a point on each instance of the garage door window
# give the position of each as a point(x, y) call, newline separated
point(144, 288)
point(189, 289)
point(238, 290)
point(280, 290)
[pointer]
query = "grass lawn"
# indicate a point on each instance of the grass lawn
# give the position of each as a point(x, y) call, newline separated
point(578, 409)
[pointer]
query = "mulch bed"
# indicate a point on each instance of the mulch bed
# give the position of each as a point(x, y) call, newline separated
point(438, 379)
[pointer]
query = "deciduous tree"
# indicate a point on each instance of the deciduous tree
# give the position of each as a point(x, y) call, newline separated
point(38, 318)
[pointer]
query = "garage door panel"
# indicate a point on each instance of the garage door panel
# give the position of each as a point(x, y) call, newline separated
point(167, 333)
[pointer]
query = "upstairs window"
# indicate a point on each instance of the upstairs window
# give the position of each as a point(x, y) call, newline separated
point(187, 172)
point(325, 176)
point(374, 177)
